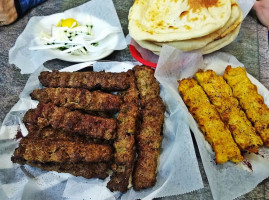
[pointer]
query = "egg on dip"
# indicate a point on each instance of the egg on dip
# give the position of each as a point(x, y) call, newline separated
point(69, 36)
point(69, 22)
point(75, 37)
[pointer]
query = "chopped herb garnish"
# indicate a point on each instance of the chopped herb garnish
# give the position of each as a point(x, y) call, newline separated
point(95, 44)
point(68, 36)
point(62, 48)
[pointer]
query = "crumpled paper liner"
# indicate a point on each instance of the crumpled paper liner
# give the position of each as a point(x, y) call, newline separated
point(227, 181)
point(178, 170)
point(28, 60)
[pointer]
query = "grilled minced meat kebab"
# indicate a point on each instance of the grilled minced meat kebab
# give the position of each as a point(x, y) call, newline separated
point(250, 100)
point(149, 137)
point(62, 118)
point(73, 98)
point(215, 131)
point(125, 141)
point(221, 96)
point(65, 156)
point(42, 150)
point(84, 169)
point(50, 133)
point(107, 81)
point(64, 137)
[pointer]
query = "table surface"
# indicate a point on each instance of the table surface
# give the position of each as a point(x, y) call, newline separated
point(250, 48)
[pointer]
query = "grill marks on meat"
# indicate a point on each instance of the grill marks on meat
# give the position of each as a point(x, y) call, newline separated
point(148, 144)
point(214, 129)
point(149, 136)
point(42, 150)
point(63, 140)
point(148, 86)
point(73, 98)
point(125, 142)
point(73, 121)
point(73, 166)
point(250, 100)
point(221, 96)
point(84, 169)
point(107, 81)
point(49, 133)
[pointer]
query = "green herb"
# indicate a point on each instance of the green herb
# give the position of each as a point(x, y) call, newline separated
point(95, 44)
point(62, 48)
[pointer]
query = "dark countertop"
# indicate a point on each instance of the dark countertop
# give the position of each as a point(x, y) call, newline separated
point(250, 48)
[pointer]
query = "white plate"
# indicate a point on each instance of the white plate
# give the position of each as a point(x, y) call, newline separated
point(109, 43)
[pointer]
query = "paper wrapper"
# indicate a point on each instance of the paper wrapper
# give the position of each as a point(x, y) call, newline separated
point(148, 55)
point(178, 170)
point(227, 181)
point(103, 10)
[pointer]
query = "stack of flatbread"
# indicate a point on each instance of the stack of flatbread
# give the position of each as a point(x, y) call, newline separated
point(202, 25)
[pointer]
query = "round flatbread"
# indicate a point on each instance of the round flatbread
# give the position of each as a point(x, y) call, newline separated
point(173, 20)
point(188, 45)
point(150, 46)
point(209, 48)
point(218, 44)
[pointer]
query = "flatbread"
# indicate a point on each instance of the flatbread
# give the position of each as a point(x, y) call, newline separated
point(211, 47)
point(218, 44)
point(149, 45)
point(197, 43)
point(188, 45)
point(173, 20)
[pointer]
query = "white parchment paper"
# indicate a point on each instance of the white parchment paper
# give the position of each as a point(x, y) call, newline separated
point(227, 181)
point(28, 60)
point(178, 170)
